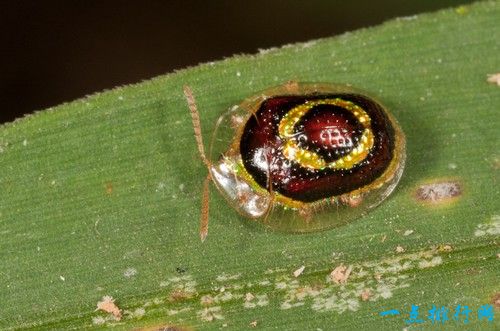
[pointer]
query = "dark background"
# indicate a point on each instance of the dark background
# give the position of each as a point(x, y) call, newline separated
point(56, 51)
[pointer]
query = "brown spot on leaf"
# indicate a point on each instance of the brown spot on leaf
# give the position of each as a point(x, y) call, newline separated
point(439, 191)
point(496, 300)
point(109, 188)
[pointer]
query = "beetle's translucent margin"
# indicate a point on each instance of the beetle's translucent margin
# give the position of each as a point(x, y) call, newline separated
point(254, 202)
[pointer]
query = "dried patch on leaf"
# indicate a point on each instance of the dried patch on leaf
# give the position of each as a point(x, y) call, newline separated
point(138, 313)
point(179, 295)
point(252, 301)
point(490, 228)
point(130, 272)
point(346, 288)
point(435, 261)
point(439, 192)
point(181, 288)
point(210, 314)
point(107, 304)
point(225, 277)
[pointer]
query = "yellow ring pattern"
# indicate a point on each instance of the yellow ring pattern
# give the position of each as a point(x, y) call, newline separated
point(312, 160)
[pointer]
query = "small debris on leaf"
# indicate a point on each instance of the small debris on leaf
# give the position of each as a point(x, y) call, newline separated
point(407, 232)
point(130, 272)
point(299, 271)
point(249, 296)
point(340, 274)
point(494, 79)
point(445, 248)
point(400, 249)
point(107, 304)
point(366, 294)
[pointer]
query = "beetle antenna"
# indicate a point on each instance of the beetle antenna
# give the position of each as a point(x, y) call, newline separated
point(204, 209)
point(195, 117)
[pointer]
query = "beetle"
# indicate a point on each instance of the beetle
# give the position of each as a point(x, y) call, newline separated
point(302, 157)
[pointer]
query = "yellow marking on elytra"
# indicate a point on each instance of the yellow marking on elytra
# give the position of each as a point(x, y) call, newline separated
point(309, 159)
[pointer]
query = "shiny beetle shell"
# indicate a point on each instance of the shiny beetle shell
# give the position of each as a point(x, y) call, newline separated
point(304, 157)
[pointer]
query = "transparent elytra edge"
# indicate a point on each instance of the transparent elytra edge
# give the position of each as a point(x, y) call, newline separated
point(257, 204)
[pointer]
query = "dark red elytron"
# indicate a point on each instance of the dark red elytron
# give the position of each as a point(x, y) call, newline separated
point(334, 144)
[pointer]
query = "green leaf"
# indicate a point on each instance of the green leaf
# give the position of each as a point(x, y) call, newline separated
point(101, 196)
